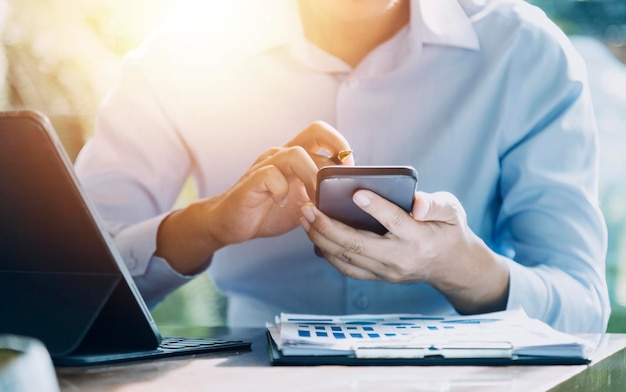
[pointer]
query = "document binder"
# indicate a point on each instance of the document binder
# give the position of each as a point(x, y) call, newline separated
point(494, 339)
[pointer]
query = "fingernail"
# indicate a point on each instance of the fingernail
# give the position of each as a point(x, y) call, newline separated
point(307, 212)
point(361, 199)
point(305, 224)
point(422, 209)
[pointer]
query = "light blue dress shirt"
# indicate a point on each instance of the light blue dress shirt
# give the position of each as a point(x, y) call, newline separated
point(487, 99)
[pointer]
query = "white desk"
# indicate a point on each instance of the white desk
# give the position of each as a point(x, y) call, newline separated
point(251, 371)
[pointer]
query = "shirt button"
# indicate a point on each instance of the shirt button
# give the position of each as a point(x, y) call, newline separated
point(361, 302)
point(353, 83)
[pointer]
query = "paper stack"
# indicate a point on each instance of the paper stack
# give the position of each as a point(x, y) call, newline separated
point(499, 337)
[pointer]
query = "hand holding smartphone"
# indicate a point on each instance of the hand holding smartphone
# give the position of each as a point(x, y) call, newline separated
point(337, 184)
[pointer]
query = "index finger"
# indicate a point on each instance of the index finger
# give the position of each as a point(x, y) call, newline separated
point(321, 136)
point(295, 161)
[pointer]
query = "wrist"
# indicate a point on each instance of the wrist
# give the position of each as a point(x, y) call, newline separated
point(185, 241)
point(476, 280)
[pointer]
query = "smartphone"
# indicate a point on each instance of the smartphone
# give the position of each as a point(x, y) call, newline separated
point(337, 184)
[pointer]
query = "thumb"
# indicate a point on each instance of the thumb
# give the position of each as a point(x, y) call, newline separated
point(439, 207)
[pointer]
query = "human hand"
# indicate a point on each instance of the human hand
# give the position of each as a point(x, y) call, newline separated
point(264, 202)
point(432, 245)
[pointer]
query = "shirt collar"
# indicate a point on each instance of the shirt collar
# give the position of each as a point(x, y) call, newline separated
point(433, 22)
point(444, 22)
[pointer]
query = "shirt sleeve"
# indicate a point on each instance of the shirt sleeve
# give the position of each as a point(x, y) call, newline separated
point(132, 191)
point(549, 189)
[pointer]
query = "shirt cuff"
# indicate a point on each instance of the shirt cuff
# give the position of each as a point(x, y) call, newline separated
point(526, 286)
point(153, 275)
point(159, 280)
point(137, 244)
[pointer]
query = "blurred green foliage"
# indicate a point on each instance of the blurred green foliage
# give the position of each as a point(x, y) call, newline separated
point(605, 22)
point(60, 57)
point(601, 19)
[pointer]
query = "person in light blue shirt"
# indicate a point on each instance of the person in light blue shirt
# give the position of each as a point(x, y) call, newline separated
point(487, 99)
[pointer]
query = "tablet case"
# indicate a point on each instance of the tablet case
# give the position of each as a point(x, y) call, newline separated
point(61, 279)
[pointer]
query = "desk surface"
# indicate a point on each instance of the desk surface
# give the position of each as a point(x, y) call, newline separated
point(251, 371)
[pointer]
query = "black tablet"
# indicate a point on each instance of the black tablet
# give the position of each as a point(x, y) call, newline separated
point(61, 278)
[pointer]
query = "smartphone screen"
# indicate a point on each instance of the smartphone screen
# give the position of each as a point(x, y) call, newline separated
point(337, 184)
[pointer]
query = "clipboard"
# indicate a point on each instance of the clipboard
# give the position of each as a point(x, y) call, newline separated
point(278, 359)
point(496, 339)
